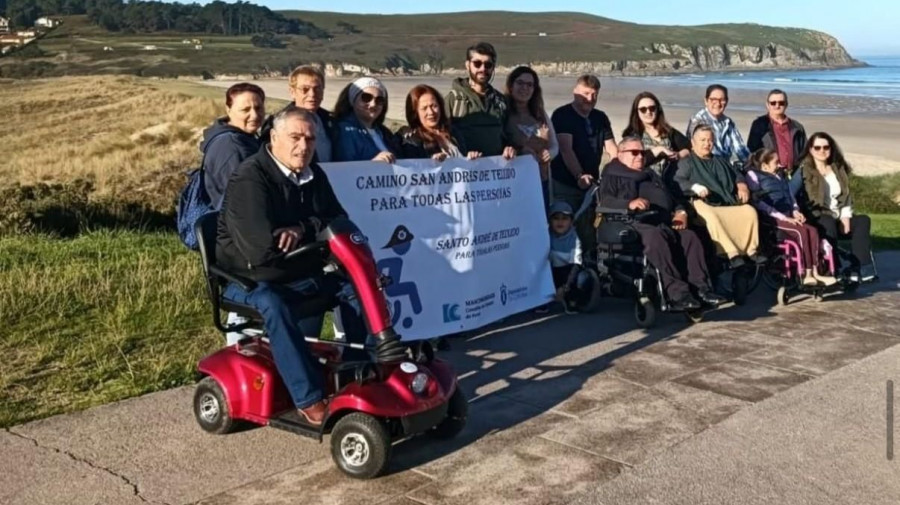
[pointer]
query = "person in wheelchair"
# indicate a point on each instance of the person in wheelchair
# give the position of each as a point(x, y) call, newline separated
point(721, 200)
point(276, 201)
point(829, 203)
point(773, 198)
point(667, 242)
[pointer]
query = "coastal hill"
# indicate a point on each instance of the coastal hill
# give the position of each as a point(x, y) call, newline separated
point(555, 43)
point(566, 42)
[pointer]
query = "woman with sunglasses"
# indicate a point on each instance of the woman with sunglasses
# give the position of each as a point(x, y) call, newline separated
point(665, 144)
point(826, 181)
point(360, 133)
point(428, 133)
point(527, 125)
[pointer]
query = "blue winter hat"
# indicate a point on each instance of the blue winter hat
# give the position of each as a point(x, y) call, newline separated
point(560, 207)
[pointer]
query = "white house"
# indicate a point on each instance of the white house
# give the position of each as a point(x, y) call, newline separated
point(4, 25)
point(47, 22)
point(542, 34)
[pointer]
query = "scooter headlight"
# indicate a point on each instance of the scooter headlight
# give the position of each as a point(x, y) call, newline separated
point(419, 382)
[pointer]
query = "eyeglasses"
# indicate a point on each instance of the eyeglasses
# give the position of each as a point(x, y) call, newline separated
point(488, 64)
point(634, 152)
point(821, 148)
point(651, 109)
point(368, 97)
point(778, 103)
point(524, 84)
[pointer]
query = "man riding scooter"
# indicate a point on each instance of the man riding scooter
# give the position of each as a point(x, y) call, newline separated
point(276, 201)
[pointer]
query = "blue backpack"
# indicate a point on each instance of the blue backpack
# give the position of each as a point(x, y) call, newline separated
point(193, 204)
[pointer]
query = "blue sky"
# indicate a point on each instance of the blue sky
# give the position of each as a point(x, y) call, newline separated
point(865, 27)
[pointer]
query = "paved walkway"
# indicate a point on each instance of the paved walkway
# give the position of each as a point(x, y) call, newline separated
point(754, 405)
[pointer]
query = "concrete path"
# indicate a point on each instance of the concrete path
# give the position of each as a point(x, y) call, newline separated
point(754, 405)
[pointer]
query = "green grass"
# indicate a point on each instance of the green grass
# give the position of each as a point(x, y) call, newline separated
point(98, 318)
point(885, 231)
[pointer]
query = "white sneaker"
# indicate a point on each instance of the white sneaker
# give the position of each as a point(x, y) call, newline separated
point(232, 337)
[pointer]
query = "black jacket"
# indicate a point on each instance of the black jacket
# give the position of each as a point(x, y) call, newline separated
point(619, 185)
point(261, 199)
point(265, 131)
point(761, 135)
point(412, 146)
point(224, 147)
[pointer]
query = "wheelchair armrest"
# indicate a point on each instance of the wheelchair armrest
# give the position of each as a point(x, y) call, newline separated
point(245, 283)
point(611, 211)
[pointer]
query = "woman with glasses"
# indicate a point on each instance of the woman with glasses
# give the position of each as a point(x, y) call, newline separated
point(721, 199)
point(527, 125)
point(665, 145)
point(727, 140)
point(361, 135)
point(826, 181)
point(428, 133)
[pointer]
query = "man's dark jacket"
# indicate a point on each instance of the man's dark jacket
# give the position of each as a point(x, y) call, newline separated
point(261, 199)
point(761, 135)
point(265, 131)
point(619, 185)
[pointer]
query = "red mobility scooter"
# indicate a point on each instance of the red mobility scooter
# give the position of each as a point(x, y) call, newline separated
point(398, 391)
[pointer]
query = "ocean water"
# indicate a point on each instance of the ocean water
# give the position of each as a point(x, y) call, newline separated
point(879, 80)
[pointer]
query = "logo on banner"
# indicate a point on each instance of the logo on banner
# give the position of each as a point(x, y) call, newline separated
point(503, 294)
point(400, 244)
point(451, 312)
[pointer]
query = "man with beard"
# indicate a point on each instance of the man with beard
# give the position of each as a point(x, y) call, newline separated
point(476, 107)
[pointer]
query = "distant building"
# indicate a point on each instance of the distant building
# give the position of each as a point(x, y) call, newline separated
point(46, 22)
point(542, 34)
point(4, 25)
point(149, 48)
point(513, 34)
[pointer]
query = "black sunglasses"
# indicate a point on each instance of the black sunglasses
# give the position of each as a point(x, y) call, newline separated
point(778, 103)
point(650, 108)
point(478, 63)
point(368, 97)
point(821, 148)
point(634, 152)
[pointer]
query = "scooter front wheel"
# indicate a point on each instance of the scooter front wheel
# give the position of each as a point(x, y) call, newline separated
point(360, 446)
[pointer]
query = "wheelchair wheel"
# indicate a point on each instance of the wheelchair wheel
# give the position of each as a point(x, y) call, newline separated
point(782, 296)
point(740, 287)
point(593, 301)
point(645, 312)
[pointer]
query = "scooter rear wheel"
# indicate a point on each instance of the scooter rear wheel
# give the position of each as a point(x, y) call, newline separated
point(457, 412)
point(211, 408)
point(360, 446)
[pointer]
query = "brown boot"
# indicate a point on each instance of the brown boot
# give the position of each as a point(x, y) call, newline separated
point(315, 413)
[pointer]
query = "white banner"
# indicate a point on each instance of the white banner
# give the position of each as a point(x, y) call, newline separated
point(465, 242)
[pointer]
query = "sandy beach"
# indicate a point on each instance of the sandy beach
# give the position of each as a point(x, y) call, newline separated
point(861, 126)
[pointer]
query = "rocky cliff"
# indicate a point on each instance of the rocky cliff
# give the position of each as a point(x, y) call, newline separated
point(664, 58)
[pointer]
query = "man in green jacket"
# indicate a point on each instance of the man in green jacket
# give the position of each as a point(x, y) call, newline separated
point(477, 109)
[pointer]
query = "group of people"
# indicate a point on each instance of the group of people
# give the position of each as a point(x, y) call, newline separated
point(262, 174)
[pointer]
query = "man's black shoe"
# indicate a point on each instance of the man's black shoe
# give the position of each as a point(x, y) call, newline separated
point(687, 302)
point(710, 297)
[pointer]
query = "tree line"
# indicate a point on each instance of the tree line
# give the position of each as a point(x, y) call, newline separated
point(240, 18)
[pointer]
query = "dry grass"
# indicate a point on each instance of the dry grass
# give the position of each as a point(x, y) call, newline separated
point(132, 139)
